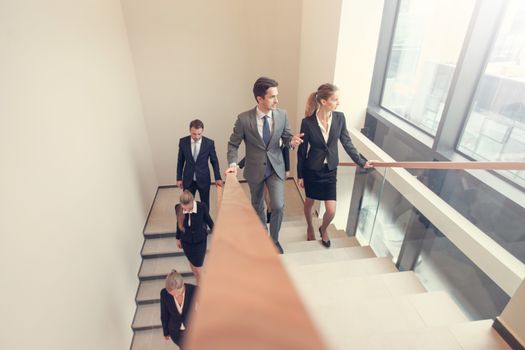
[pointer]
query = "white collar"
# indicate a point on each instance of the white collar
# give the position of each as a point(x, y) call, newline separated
point(192, 211)
point(260, 114)
point(193, 141)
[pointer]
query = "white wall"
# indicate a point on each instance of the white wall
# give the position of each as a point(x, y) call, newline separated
point(338, 45)
point(201, 58)
point(77, 177)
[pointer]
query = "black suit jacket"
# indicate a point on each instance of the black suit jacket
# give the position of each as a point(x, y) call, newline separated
point(313, 151)
point(186, 166)
point(169, 314)
point(196, 232)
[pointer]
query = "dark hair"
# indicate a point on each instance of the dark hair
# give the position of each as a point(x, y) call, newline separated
point(323, 93)
point(261, 85)
point(196, 124)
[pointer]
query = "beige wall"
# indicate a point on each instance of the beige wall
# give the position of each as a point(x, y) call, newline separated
point(512, 316)
point(338, 45)
point(200, 59)
point(77, 177)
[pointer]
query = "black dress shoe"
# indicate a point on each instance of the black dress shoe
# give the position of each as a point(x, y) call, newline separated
point(323, 242)
point(279, 248)
point(268, 216)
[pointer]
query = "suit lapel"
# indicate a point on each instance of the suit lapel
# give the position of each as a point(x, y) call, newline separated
point(335, 124)
point(317, 128)
point(253, 127)
point(276, 125)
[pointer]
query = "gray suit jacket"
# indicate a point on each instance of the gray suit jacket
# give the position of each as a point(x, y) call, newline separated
point(256, 151)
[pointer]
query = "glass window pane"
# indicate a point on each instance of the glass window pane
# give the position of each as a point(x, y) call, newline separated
point(427, 41)
point(499, 102)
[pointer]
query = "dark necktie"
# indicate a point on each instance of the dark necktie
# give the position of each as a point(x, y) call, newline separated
point(266, 140)
point(266, 130)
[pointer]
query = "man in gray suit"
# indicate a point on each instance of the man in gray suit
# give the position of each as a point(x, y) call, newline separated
point(264, 130)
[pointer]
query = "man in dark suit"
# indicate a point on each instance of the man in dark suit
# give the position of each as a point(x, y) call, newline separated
point(193, 172)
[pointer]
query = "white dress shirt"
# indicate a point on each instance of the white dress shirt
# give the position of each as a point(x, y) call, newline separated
point(325, 132)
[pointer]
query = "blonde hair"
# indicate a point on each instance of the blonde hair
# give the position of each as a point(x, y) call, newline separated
point(174, 281)
point(323, 93)
point(185, 198)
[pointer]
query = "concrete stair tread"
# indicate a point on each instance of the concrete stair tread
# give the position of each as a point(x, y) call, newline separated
point(163, 247)
point(361, 287)
point(158, 246)
point(298, 233)
point(341, 269)
point(360, 321)
point(147, 316)
point(160, 267)
point(303, 246)
point(475, 335)
point(327, 255)
point(478, 335)
point(151, 339)
point(299, 221)
point(149, 291)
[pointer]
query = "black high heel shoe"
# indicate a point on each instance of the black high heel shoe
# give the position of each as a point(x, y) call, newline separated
point(326, 244)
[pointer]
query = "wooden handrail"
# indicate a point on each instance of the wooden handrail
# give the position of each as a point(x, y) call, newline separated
point(246, 299)
point(448, 165)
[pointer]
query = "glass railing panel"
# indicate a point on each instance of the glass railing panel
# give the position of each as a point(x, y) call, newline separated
point(501, 217)
point(374, 181)
point(400, 231)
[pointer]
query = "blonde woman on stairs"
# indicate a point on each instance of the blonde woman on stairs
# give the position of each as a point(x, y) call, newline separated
point(192, 220)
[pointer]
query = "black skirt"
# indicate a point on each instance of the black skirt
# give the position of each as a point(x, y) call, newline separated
point(195, 252)
point(321, 184)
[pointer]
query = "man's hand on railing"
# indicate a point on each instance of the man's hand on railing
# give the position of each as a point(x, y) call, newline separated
point(300, 183)
point(231, 170)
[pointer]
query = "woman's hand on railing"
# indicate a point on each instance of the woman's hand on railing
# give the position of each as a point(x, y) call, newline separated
point(300, 182)
point(369, 163)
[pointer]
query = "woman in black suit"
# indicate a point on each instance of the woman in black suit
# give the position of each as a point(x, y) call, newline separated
point(317, 156)
point(176, 303)
point(192, 221)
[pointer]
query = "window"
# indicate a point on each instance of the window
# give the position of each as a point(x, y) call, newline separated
point(427, 41)
point(495, 128)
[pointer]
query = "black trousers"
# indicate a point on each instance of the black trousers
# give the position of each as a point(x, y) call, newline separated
point(204, 192)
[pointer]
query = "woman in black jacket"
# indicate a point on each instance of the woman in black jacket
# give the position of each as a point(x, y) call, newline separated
point(193, 218)
point(317, 156)
point(176, 304)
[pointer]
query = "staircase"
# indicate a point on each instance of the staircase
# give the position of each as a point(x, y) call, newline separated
point(357, 300)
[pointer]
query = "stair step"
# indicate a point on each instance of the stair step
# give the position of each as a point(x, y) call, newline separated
point(341, 269)
point(478, 335)
point(301, 221)
point(151, 339)
point(160, 247)
point(360, 288)
point(163, 247)
point(147, 317)
point(475, 335)
point(162, 218)
point(149, 291)
point(359, 323)
point(160, 267)
point(327, 255)
point(305, 246)
point(298, 233)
